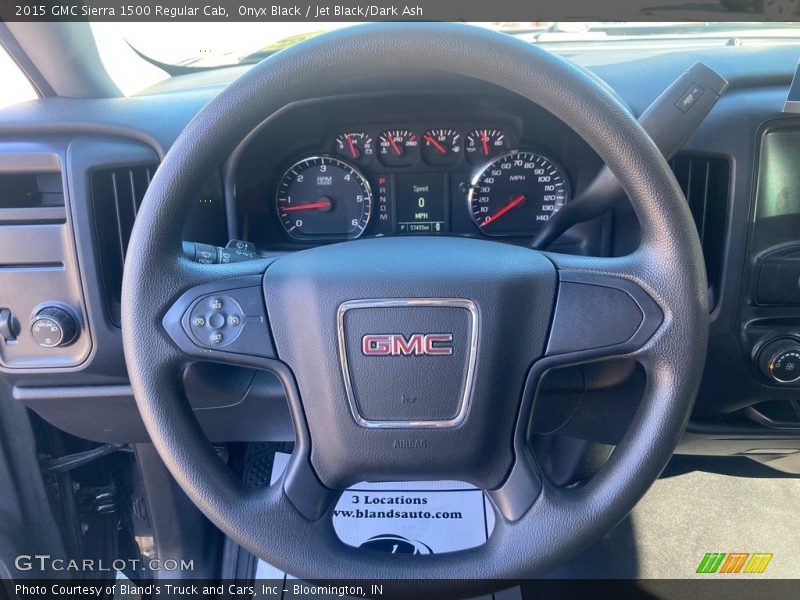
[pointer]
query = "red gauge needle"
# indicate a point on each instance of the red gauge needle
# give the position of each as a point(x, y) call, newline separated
point(352, 146)
point(309, 206)
point(485, 142)
point(394, 145)
point(435, 144)
point(514, 203)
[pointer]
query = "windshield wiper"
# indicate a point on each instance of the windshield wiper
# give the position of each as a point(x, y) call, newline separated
point(173, 70)
point(189, 65)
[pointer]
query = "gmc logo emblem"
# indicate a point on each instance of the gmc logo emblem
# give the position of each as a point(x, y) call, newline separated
point(417, 344)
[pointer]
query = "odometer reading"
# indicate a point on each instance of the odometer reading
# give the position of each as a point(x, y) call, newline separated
point(516, 194)
point(323, 198)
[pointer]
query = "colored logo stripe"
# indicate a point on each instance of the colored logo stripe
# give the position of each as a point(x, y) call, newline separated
point(711, 562)
point(735, 562)
point(757, 563)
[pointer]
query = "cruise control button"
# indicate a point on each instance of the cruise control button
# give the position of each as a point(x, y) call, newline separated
point(217, 321)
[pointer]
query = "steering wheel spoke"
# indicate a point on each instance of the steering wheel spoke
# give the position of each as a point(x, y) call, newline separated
point(521, 488)
point(602, 309)
point(304, 490)
point(222, 317)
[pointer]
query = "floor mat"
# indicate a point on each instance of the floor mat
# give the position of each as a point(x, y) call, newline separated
point(684, 517)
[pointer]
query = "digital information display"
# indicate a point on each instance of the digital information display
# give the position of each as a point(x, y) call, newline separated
point(420, 205)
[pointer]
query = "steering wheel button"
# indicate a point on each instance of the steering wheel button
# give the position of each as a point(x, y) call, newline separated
point(216, 321)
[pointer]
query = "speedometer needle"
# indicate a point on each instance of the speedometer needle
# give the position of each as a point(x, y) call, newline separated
point(309, 206)
point(514, 203)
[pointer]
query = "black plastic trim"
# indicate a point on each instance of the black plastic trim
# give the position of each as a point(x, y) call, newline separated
point(567, 336)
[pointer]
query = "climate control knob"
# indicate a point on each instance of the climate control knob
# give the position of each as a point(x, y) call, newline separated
point(779, 360)
point(53, 326)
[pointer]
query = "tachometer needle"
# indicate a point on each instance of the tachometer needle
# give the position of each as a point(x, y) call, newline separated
point(435, 144)
point(514, 203)
point(394, 145)
point(309, 206)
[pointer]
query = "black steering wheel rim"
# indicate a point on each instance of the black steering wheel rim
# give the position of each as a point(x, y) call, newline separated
point(668, 267)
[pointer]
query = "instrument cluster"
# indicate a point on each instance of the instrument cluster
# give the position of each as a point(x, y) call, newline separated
point(402, 180)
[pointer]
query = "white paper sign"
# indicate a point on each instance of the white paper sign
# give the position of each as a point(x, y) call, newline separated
point(407, 517)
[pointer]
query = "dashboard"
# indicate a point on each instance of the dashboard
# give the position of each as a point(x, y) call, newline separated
point(413, 181)
point(53, 253)
point(370, 165)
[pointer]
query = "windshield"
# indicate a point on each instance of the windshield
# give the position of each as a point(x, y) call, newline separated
point(138, 55)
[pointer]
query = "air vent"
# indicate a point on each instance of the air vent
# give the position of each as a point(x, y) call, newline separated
point(705, 181)
point(116, 197)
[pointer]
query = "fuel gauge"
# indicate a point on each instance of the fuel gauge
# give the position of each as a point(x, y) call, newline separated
point(441, 147)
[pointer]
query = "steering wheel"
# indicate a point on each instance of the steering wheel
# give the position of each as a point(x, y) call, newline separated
point(415, 359)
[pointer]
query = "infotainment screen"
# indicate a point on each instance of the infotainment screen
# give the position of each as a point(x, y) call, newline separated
point(420, 205)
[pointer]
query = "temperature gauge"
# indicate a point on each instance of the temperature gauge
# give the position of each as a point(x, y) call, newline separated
point(398, 148)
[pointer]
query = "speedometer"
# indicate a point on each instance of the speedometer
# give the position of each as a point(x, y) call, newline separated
point(517, 193)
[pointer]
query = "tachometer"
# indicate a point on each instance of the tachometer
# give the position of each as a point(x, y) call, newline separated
point(324, 198)
point(517, 193)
